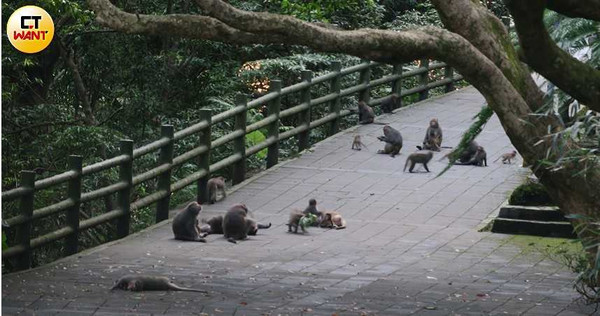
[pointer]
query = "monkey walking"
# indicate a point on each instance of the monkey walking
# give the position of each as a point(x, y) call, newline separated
point(302, 220)
point(478, 159)
point(138, 283)
point(389, 104)
point(392, 139)
point(507, 157)
point(357, 144)
point(215, 185)
point(185, 224)
point(422, 157)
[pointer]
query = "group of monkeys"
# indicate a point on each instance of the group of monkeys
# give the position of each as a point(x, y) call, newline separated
point(238, 224)
point(474, 154)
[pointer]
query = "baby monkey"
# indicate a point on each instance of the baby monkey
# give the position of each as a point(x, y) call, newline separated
point(421, 156)
point(507, 157)
point(138, 283)
point(357, 144)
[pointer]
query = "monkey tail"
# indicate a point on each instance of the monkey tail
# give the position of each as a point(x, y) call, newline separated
point(380, 123)
point(406, 164)
point(231, 240)
point(176, 287)
point(263, 226)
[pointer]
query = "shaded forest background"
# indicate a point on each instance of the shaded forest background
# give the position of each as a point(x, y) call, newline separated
point(93, 87)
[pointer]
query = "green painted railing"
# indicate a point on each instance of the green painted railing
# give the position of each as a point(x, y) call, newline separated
point(24, 243)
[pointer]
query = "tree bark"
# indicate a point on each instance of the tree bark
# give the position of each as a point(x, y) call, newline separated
point(579, 80)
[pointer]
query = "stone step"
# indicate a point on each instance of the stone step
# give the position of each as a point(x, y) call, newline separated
point(535, 228)
point(535, 213)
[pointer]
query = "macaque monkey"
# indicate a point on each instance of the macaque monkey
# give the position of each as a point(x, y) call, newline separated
point(254, 226)
point(185, 224)
point(357, 144)
point(507, 157)
point(421, 156)
point(215, 185)
point(391, 103)
point(333, 220)
point(149, 283)
point(433, 136)
point(467, 154)
point(312, 208)
point(366, 115)
point(478, 159)
point(214, 225)
point(236, 223)
point(392, 139)
point(294, 221)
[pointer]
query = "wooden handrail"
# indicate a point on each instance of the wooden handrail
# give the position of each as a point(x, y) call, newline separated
point(22, 247)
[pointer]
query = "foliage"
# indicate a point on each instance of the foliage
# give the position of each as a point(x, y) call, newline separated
point(421, 15)
point(345, 14)
point(530, 194)
point(482, 118)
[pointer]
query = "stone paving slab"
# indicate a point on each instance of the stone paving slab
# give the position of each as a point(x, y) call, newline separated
point(411, 246)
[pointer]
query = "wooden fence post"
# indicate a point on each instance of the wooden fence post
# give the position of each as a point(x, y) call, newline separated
point(23, 233)
point(239, 145)
point(164, 180)
point(449, 74)
point(397, 85)
point(424, 80)
point(204, 159)
point(74, 194)
point(273, 128)
point(125, 175)
point(304, 117)
point(336, 104)
point(364, 79)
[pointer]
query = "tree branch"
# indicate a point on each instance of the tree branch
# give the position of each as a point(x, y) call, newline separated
point(485, 31)
point(572, 76)
point(183, 25)
point(381, 45)
point(587, 9)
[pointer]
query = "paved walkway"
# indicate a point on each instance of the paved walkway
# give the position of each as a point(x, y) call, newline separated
point(411, 246)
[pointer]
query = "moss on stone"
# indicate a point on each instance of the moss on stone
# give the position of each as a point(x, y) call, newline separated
point(530, 194)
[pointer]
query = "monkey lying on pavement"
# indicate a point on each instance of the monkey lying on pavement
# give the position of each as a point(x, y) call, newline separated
point(333, 220)
point(149, 283)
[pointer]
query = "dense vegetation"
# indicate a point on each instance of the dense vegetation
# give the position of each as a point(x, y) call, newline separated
point(93, 87)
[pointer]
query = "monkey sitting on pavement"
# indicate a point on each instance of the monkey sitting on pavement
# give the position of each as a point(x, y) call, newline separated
point(357, 144)
point(185, 223)
point(421, 156)
point(149, 283)
point(392, 139)
point(237, 224)
point(215, 185)
point(391, 103)
point(507, 157)
point(366, 115)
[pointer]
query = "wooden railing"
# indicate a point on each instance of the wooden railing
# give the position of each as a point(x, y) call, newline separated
point(24, 243)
